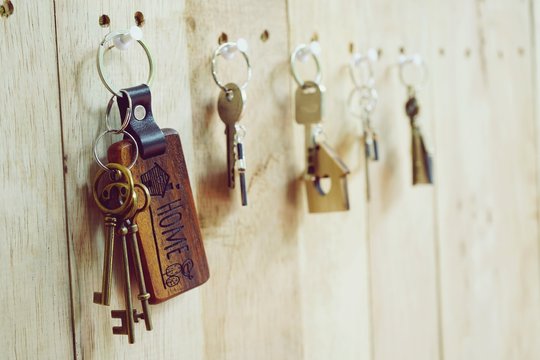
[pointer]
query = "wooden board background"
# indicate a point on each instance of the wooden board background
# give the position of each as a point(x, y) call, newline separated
point(444, 272)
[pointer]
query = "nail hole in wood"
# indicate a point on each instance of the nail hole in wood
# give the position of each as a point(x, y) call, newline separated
point(139, 19)
point(265, 35)
point(315, 37)
point(500, 54)
point(441, 51)
point(7, 8)
point(351, 48)
point(467, 53)
point(379, 52)
point(521, 51)
point(223, 38)
point(402, 50)
point(104, 21)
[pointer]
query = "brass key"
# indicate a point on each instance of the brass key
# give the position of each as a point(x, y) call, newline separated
point(126, 316)
point(133, 229)
point(230, 107)
point(113, 199)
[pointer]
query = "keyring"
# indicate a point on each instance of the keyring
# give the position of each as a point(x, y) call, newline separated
point(219, 52)
point(300, 48)
point(127, 117)
point(368, 100)
point(100, 65)
point(96, 142)
point(419, 62)
point(358, 60)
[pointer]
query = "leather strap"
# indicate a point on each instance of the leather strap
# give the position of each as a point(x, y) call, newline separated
point(149, 137)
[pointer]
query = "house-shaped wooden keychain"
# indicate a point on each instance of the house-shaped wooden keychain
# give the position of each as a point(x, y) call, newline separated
point(324, 163)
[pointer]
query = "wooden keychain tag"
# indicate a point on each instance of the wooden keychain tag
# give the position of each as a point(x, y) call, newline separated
point(172, 250)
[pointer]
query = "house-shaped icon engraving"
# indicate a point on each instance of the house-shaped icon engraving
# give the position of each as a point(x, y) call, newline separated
point(324, 164)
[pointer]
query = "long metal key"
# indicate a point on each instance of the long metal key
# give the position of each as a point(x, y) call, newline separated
point(126, 316)
point(230, 107)
point(113, 199)
point(133, 229)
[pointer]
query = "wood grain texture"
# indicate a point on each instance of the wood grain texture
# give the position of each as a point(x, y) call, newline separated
point(251, 303)
point(177, 323)
point(34, 276)
point(333, 248)
point(487, 211)
point(447, 272)
point(401, 216)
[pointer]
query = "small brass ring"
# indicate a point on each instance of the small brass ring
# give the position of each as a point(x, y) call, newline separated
point(100, 63)
point(96, 142)
point(218, 53)
point(421, 64)
point(296, 76)
point(127, 117)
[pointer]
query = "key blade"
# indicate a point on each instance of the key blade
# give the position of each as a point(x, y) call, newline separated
point(230, 132)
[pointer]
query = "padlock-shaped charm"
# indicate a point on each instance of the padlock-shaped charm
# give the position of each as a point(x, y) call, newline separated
point(309, 103)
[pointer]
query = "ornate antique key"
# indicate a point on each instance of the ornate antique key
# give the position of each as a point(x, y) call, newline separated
point(231, 104)
point(323, 163)
point(116, 195)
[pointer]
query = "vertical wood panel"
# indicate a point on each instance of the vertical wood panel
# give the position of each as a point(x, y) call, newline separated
point(401, 216)
point(487, 195)
point(251, 303)
point(177, 323)
point(34, 277)
point(333, 246)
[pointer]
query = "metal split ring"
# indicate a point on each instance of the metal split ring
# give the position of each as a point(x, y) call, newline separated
point(367, 101)
point(219, 52)
point(127, 117)
point(422, 68)
point(96, 143)
point(296, 76)
point(100, 63)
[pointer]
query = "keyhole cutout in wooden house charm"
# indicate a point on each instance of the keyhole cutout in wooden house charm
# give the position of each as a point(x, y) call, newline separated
point(327, 180)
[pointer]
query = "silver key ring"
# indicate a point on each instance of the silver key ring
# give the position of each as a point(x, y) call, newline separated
point(360, 62)
point(219, 52)
point(100, 63)
point(422, 68)
point(127, 118)
point(294, 55)
point(367, 101)
point(96, 143)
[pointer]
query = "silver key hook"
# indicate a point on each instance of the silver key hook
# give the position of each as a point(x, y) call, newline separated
point(228, 50)
point(302, 54)
point(418, 62)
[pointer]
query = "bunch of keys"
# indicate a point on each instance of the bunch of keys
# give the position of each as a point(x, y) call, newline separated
point(145, 194)
point(365, 96)
point(323, 163)
point(422, 163)
point(120, 200)
point(231, 104)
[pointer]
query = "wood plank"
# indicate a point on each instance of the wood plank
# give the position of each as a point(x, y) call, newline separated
point(333, 246)
point(251, 303)
point(487, 195)
point(177, 323)
point(35, 298)
point(401, 217)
